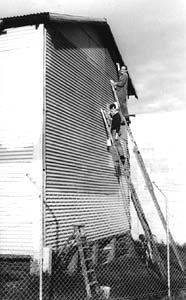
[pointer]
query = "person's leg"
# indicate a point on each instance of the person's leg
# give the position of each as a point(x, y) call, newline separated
point(123, 107)
point(124, 111)
point(120, 151)
point(116, 162)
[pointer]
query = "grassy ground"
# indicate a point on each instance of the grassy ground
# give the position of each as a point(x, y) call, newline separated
point(127, 276)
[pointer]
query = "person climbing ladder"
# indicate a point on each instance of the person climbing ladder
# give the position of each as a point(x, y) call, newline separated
point(121, 87)
point(115, 132)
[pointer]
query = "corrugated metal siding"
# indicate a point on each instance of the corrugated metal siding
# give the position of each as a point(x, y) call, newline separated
point(21, 103)
point(80, 180)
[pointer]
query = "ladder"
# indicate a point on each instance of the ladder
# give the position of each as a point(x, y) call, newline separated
point(87, 264)
point(150, 185)
point(138, 207)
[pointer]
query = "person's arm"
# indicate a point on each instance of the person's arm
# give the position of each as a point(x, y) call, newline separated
point(123, 80)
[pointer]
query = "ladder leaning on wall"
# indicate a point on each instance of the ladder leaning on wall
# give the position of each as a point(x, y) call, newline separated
point(78, 241)
point(149, 185)
point(93, 289)
point(134, 197)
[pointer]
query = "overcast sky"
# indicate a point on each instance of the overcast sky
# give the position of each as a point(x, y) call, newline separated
point(150, 34)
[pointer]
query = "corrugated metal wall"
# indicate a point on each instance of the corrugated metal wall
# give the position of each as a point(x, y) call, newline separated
point(21, 100)
point(80, 180)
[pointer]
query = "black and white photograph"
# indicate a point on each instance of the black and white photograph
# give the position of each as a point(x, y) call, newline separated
point(92, 150)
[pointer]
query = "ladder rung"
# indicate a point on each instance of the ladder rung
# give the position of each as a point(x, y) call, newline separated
point(93, 282)
point(91, 271)
point(88, 258)
point(84, 242)
point(85, 247)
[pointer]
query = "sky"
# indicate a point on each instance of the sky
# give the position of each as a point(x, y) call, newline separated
point(163, 151)
point(151, 37)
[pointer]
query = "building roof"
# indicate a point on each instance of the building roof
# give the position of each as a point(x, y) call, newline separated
point(46, 18)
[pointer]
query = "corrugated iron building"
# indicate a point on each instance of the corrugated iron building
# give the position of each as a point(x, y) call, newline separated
point(55, 171)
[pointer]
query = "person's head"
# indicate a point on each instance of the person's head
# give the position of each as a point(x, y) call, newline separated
point(123, 69)
point(142, 237)
point(112, 108)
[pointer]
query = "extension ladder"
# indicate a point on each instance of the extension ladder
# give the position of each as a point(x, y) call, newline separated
point(149, 185)
point(138, 206)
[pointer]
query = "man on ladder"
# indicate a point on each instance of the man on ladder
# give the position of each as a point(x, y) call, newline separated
point(121, 87)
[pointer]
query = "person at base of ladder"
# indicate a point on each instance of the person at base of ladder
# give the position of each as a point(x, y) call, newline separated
point(121, 87)
point(115, 131)
point(144, 250)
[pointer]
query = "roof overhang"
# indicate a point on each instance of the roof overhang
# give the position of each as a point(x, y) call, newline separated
point(48, 18)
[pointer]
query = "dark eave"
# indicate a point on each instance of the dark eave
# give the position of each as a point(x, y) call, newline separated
point(47, 18)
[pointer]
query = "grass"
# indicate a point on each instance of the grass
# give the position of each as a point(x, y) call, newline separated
point(127, 276)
